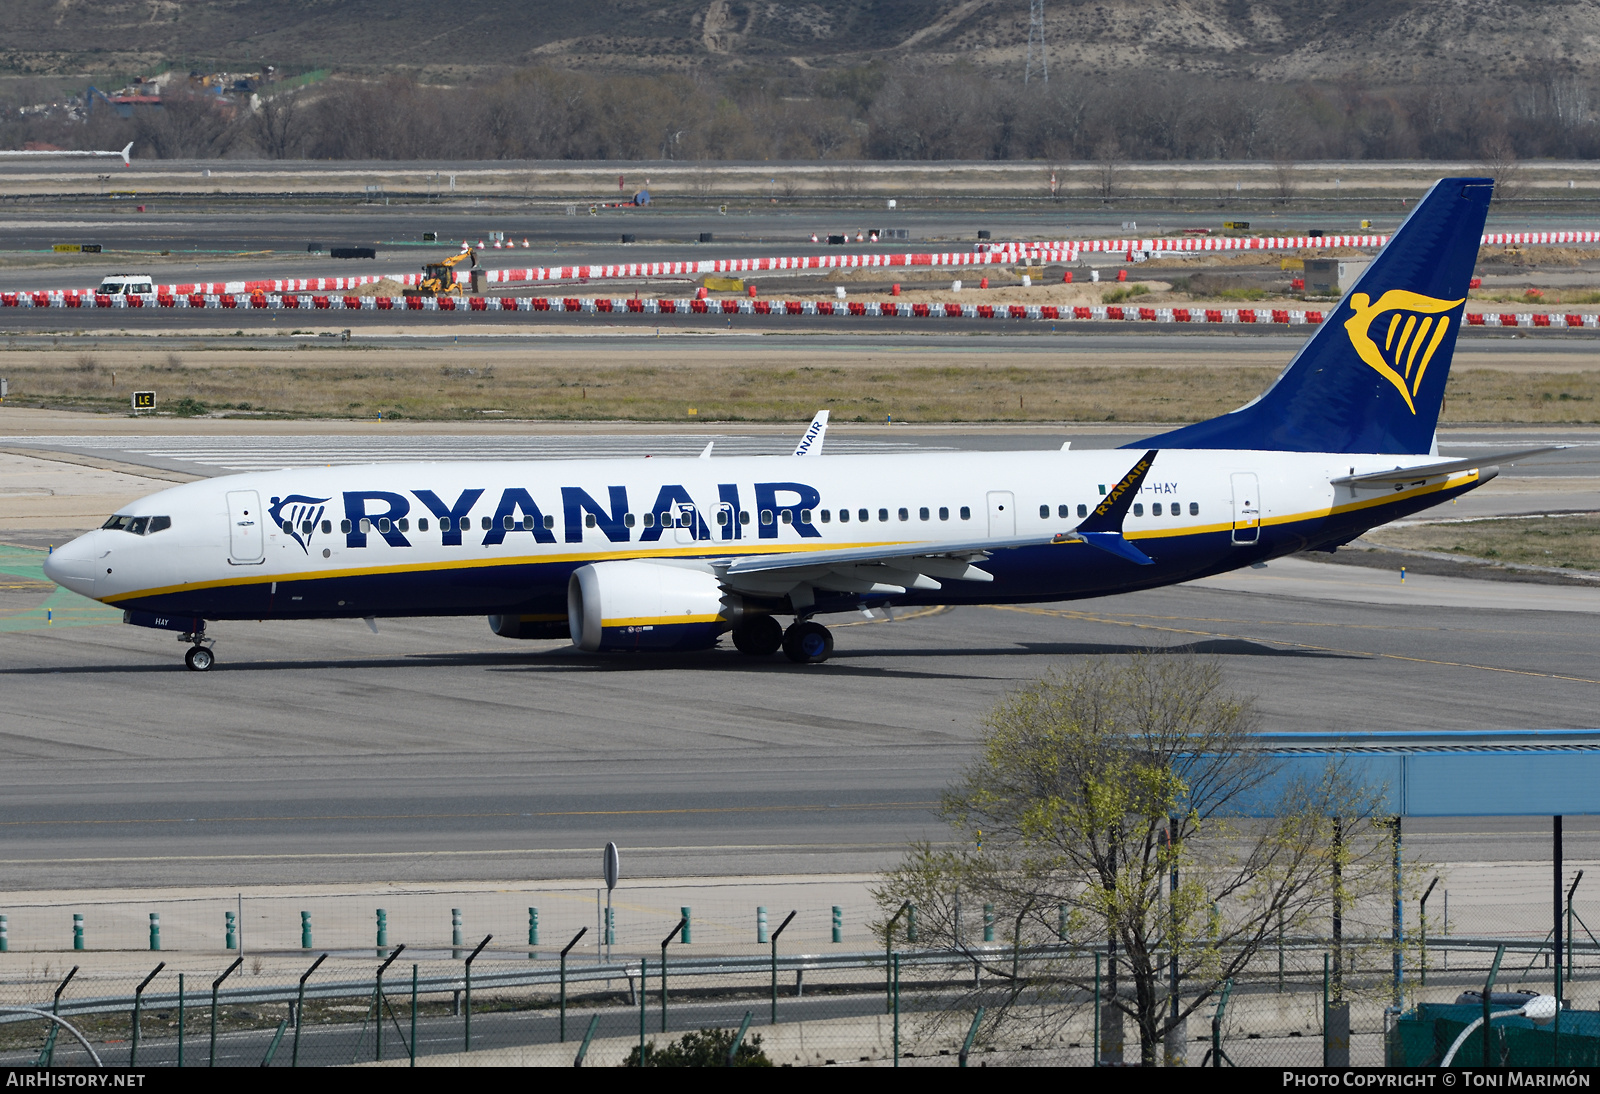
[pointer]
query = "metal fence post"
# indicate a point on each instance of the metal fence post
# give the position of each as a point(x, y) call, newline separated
point(583, 1049)
point(644, 963)
point(1096, 1008)
point(181, 1016)
point(775, 935)
point(581, 932)
point(738, 1041)
point(155, 930)
point(299, 1007)
point(138, 1003)
point(966, 1046)
point(888, 958)
point(413, 1015)
point(467, 1012)
point(211, 1054)
point(379, 1001)
point(682, 923)
point(896, 1010)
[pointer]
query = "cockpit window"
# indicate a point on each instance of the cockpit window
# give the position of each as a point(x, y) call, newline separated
point(139, 526)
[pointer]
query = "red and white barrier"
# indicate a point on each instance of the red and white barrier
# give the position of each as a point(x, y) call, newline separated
point(745, 306)
point(1040, 252)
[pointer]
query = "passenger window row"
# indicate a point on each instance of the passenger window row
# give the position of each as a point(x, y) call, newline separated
point(1174, 508)
point(685, 519)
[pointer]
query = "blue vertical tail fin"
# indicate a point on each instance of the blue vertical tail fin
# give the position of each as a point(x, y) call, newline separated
point(1372, 378)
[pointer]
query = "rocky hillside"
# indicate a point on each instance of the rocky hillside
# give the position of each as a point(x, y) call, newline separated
point(1388, 41)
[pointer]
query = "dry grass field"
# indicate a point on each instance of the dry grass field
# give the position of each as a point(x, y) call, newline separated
point(1569, 542)
point(983, 383)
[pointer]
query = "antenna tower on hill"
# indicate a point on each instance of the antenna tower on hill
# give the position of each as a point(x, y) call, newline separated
point(1038, 60)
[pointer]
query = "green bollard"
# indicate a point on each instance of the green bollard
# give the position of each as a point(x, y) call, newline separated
point(455, 934)
point(988, 922)
point(533, 934)
point(77, 931)
point(684, 912)
point(155, 930)
point(383, 933)
point(5, 938)
point(838, 923)
point(911, 923)
point(761, 926)
point(305, 932)
point(231, 941)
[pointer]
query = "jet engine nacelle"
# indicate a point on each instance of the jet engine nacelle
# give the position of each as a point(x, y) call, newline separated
point(639, 605)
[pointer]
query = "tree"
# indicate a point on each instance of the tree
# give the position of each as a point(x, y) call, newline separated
point(278, 128)
point(1093, 788)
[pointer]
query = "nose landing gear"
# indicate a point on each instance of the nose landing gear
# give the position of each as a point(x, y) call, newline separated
point(199, 658)
point(807, 643)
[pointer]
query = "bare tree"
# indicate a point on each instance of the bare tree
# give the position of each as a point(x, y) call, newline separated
point(1500, 163)
point(279, 128)
point(187, 127)
point(1108, 167)
point(1094, 788)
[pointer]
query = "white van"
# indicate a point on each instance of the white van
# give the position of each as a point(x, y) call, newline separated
point(127, 284)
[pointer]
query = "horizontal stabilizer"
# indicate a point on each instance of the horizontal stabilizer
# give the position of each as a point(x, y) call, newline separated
point(1443, 467)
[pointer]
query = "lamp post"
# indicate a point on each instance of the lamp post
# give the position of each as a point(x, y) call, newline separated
point(1541, 1010)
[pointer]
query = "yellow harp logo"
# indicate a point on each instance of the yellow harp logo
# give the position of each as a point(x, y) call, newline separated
point(1416, 326)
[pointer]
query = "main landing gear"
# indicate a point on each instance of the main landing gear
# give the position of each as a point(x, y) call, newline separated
point(804, 643)
point(199, 658)
point(807, 643)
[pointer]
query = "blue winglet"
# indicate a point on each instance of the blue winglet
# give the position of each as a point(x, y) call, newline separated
point(1103, 527)
point(1113, 543)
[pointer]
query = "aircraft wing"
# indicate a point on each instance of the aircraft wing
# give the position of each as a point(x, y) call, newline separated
point(896, 567)
point(1443, 467)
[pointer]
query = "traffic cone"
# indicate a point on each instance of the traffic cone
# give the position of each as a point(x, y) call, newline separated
point(1066, 278)
point(1122, 275)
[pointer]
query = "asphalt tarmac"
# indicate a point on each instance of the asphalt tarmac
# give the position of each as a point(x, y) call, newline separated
point(435, 751)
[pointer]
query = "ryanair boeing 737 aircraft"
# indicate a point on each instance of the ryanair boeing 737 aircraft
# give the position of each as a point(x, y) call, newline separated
point(668, 554)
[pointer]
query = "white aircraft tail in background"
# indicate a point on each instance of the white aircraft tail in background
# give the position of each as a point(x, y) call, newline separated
point(125, 153)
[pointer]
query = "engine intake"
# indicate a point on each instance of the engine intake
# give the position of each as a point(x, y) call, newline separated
point(639, 605)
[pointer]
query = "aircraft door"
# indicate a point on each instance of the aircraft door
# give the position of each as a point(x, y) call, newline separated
point(1002, 514)
point(1246, 509)
point(246, 528)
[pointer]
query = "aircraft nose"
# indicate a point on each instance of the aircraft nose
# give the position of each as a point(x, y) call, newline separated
point(73, 565)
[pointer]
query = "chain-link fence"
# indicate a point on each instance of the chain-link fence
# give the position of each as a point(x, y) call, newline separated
point(1303, 1006)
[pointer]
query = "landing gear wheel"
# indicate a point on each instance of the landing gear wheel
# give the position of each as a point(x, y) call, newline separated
point(760, 636)
point(199, 658)
point(807, 643)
